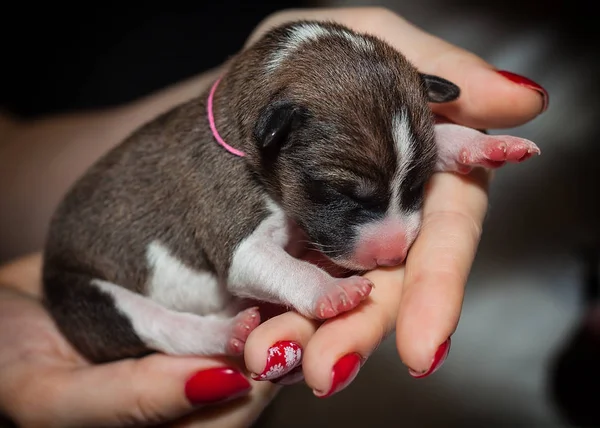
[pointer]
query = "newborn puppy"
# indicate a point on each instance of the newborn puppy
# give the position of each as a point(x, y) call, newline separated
point(314, 136)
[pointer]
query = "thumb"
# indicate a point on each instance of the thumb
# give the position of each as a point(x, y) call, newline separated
point(151, 390)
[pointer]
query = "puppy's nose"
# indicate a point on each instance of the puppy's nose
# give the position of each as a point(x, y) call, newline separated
point(390, 262)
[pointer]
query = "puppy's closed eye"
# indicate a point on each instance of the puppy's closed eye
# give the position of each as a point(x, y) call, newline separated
point(363, 191)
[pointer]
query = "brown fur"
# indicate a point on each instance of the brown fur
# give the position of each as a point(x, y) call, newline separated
point(171, 182)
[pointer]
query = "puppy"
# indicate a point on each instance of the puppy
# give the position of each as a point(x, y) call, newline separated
point(316, 136)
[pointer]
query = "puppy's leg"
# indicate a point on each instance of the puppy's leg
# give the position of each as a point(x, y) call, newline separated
point(461, 148)
point(261, 269)
point(107, 322)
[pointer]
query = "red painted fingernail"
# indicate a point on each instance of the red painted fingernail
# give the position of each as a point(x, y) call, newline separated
point(528, 83)
point(216, 385)
point(343, 372)
point(282, 358)
point(440, 356)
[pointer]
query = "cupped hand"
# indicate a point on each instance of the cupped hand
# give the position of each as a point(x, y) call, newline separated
point(421, 301)
point(44, 382)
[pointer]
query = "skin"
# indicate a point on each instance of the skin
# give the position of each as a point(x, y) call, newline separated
point(44, 382)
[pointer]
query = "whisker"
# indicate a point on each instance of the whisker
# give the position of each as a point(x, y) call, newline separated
point(326, 251)
point(316, 244)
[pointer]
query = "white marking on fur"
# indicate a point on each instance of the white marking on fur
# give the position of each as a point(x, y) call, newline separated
point(404, 141)
point(304, 33)
point(294, 239)
point(176, 286)
point(262, 269)
point(168, 331)
point(359, 41)
point(272, 205)
point(278, 223)
point(397, 227)
point(412, 224)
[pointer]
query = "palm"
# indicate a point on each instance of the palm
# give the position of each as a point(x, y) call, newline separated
point(49, 379)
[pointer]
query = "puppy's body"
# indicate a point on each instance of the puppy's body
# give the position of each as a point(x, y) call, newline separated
point(139, 220)
point(154, 247)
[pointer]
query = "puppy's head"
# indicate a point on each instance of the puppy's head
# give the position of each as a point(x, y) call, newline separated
point(340, 131)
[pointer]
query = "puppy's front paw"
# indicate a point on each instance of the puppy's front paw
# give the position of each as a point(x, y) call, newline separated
point(342, 295)
point(495, 151)
point(241, 327)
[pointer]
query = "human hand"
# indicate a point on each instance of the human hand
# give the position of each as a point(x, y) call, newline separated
point(44, 378)
point(44, 382)
point(421, 301)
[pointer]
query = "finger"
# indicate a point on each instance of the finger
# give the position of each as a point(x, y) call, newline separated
point(275, 348)
point(237, 414)
point(437, 268)
point(339, 347)
point(23, 274)
point(151, 390)
point(56, 387)
point(488, 99)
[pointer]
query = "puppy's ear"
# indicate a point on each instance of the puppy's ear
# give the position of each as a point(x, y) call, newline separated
point(440, 90)
point(276, 123)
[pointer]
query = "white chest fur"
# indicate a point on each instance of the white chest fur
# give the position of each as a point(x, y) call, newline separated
point(178, 287)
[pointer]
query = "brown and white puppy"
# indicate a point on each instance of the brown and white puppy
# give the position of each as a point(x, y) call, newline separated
point(156, 245)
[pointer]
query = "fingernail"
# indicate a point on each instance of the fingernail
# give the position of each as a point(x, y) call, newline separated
point(216, 385)
point(440, 356)
point(528, 83)
point(282, 357)
point(293, 377)
point(342, 374)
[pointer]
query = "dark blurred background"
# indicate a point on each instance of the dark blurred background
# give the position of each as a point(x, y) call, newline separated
point(58, 58)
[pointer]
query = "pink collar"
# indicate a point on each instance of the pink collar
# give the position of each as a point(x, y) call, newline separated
point(213, 127)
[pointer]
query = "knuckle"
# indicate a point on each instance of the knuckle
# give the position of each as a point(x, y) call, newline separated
point(375, 331)
point(142, 411)
point(375, 322)
point(272, 20)
point(454, 220)
point(383, 325)
point(144, 407)
point(379, 17)
point(379, 12)
point(383, 320)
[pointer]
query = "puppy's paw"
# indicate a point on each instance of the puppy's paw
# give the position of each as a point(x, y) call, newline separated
point(461, 148)
point(495, 151)
point(241, 326)
point(342, 295)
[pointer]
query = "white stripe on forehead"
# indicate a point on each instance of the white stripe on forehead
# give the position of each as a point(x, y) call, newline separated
point(404, 142)
point(311, 32)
